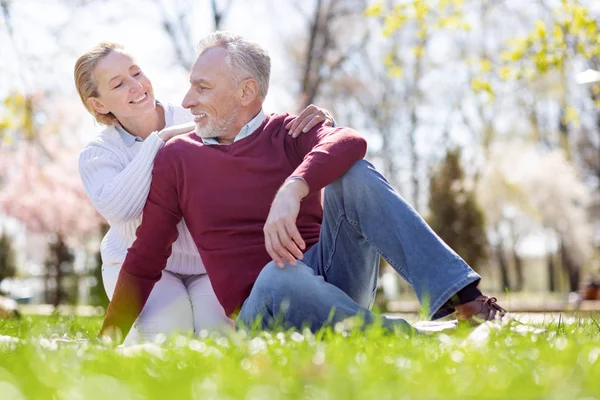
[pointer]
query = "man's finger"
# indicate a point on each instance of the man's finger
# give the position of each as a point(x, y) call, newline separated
point(277, 238)
point(289, 243)
point(294, 233)
point(269, 246)
point(281, 254)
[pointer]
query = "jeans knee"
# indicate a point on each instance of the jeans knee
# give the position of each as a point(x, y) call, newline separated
point(279, 283)
point(356, 176)
point(353, 185)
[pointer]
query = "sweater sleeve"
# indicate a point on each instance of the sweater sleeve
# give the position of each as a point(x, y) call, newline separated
point(327, 153)
point(148, 255)
point(118, 192)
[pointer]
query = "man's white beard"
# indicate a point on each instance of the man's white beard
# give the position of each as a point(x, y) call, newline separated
point(215, 128)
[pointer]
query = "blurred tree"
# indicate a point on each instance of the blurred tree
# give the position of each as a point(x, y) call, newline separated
point(41, 189)
point(8, 266)
point(175, 17)
point(411, 26)
point(333, 39)
point(454, 213)
point(97, 293)
point(519, 186)
point(59, 266)
point(555, 46)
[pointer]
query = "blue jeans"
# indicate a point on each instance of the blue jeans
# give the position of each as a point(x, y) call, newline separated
point(363, 218)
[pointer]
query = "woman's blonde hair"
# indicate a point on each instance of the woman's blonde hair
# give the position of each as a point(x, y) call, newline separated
point(85, 82)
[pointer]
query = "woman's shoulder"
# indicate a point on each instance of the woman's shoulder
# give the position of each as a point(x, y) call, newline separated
point(107, 139)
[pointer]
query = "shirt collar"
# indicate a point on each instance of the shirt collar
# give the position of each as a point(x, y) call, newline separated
point(129, 139)
point(246, 130)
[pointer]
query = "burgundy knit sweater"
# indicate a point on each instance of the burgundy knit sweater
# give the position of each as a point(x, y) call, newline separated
point(224, 192)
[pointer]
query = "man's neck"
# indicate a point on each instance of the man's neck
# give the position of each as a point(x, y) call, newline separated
point(244, 117)
point(143, 126)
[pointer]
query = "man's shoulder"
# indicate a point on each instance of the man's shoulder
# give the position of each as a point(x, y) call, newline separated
point(277, 121)
point(181, 145)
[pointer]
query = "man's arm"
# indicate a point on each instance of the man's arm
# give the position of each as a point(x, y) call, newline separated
point(148, 255)
point(327, 154)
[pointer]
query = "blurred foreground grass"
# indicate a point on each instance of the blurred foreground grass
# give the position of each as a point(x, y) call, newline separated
point(561, 363)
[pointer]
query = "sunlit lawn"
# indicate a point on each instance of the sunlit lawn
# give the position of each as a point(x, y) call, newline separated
point(561, 363)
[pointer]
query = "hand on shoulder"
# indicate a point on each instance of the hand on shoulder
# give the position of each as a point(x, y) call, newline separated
point(175, 130)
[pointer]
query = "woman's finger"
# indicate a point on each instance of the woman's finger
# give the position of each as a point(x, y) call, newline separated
point(307, 112)
point(313, 122)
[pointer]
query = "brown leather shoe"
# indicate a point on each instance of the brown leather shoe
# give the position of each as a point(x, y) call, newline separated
point(480, 310)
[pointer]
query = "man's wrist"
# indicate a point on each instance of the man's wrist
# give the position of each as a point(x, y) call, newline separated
point(297, 186)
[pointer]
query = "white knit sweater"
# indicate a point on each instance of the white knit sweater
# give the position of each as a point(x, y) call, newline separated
point(116, 171)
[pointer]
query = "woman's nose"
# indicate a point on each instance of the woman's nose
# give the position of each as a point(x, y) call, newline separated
point(135, 85)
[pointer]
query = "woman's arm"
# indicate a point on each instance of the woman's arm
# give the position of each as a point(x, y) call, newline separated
point(118, 190)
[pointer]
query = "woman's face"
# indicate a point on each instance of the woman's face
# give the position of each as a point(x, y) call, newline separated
point(123, 89)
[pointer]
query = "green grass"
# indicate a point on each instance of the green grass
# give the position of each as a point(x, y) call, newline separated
point(561, 363)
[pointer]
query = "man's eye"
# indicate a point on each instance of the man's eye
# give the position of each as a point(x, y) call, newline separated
point(118, 86)
point(137, 73)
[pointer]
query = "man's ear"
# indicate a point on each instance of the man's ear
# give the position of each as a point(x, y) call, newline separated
point(97, 105)
point(249, 91)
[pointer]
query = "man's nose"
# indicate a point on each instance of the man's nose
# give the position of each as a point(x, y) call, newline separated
point(188, 100)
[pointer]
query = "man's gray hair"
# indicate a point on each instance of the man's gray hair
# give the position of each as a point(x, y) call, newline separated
point(247, 59)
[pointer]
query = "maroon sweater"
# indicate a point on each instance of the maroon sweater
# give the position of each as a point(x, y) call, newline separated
point(224, 192)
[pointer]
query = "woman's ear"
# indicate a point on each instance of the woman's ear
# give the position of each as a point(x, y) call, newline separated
point(249, 91)
point(97, 105)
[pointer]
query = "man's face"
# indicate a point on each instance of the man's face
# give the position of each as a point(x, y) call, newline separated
point(212, 98)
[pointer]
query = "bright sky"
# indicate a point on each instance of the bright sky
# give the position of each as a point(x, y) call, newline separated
point(35, 60)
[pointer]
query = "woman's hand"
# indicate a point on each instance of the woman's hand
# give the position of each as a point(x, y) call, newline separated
point(172, 131)
point(308, 118)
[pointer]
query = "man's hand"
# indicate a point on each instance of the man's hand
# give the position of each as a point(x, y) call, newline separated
point(308, 118)
point(282, 238)
point(172, 131)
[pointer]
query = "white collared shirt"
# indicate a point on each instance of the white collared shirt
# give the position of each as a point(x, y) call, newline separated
point(246, 130)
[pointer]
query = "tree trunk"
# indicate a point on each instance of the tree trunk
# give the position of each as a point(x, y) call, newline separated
point(503, 265)
point(551, 269)
point(520, 280)
point(572, 270)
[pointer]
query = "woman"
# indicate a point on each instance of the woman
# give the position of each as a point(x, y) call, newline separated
point(116, 170)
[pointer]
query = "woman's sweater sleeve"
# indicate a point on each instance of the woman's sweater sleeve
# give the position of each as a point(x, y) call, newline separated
point(118, 190)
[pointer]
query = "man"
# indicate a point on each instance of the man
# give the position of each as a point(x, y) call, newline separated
point(251, 198)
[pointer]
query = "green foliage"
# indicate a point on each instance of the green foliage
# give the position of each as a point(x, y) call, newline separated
point(8, 266)
point(551, 45)
point(19, 116)
point(425, 16)
point(454, 213)
point(563, 363)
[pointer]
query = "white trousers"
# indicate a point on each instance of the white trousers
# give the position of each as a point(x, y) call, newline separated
point(177, 303)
